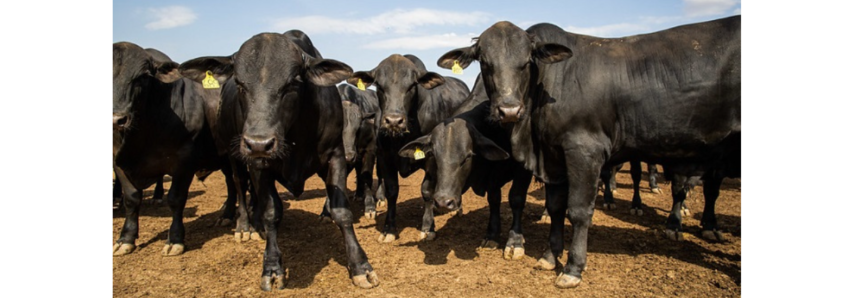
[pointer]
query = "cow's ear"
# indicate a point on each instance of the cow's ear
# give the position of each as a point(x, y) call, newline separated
point(367, 78)
point(167, 72)
point(326, 72)
point(487, 148)
point(423, 143)
point(430, 80)
point(195, 69)
point(551, 52)
point(463, 56)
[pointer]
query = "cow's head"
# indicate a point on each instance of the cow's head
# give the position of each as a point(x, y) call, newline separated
point(396, 79)
point(136, 72)
point(272, 75)
point(452, 146)
point(355, 128)
point(507, 55)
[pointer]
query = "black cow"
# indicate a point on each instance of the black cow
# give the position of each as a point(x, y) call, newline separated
point(577, 102)
point(361, 115)
point(159, 128)
point(413, 101)
point(469, 151)
point(292, 130)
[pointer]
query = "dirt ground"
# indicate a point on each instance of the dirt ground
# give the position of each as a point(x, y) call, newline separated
point(628, 256)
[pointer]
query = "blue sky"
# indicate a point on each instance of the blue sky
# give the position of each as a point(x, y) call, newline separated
point(363, 33)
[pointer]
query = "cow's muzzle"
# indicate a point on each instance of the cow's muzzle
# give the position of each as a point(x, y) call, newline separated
point(509, 114)
point(256, 146)
point(451, 203)
point(122, 122)
point(395, 123)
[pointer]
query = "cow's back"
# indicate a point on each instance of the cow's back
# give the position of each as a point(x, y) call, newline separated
point(439, 103)
point(663, 95)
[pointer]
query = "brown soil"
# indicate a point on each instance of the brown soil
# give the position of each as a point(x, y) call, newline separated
point(628, 256)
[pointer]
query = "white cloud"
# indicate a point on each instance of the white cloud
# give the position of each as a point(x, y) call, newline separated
point(448, 40)
point(612, 30)
point(170, 17)
point(397, 20)
point(695, 8)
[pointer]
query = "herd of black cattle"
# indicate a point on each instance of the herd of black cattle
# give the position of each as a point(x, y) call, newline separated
point(561, 107)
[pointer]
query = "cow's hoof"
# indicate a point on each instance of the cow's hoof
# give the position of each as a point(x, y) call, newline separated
point(366, 281)
point(171, 250)
point(489, 244)
point(675, 234)
point(615, 192)
point(565, 281)
point(267, 283)
point(513, 253)
point(241, 236)
point(381, 203)
point(610, 206)
point(386, 238)
point(326, 219)
point(713, 235)
point(223, 222)
point(657, 190)
point(121, 249)
point(257, 237)
point(429, 236)
point(686, 212)
point(371, 214)
point(637, 211)
point(544, 265)
point(544, 219)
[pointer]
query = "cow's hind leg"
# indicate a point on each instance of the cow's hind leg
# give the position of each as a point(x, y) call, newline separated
point(711, 191)
point(636, 176)
point(674, 220)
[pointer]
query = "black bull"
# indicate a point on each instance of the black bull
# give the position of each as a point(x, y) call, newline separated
point(159, 128)
point(289, 129)
point(578, 102)
point(412, 101)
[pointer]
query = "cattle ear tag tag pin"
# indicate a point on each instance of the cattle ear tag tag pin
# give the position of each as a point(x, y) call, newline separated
point(360, 85)
point(456, 69)
point(419, 154)
point(210, 82)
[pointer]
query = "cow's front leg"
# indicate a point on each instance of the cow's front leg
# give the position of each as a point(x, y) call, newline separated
point(361, 272)
point(514, 249)
point(131, 203)
point(269, 204)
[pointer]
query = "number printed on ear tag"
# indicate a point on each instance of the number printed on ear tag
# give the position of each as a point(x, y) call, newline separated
point(210, 82)
point(419, 154)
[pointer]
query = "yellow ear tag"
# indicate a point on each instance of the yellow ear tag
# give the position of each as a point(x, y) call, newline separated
point(419, 154)
point(456, 69)
point(210, 82)
point(360, 85)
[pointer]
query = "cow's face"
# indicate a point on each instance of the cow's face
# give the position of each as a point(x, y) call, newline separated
point(396, 79)
point(507, 55)
point(355, 124)
point(135, 71)
point(452, 146)
point(272, 76)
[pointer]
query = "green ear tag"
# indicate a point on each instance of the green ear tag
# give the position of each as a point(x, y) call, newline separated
point(360, 85)
point(210, 82)
point(456, 69)
point(419, 154)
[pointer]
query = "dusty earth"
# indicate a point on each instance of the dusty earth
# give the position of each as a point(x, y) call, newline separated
point(628, 256)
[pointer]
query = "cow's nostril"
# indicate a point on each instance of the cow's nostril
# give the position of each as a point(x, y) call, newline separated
point(450, 204)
